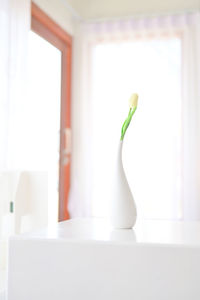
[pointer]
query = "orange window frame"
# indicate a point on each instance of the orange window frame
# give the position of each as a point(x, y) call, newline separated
point(44, 26)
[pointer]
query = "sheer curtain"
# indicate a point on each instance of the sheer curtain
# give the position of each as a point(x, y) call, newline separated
point(14, 30)
point(170, 97)
point(14, 47)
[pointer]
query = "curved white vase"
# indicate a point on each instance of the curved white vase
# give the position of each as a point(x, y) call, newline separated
point(123, 208)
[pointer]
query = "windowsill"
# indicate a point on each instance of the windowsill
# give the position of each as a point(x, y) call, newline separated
point(154, 255)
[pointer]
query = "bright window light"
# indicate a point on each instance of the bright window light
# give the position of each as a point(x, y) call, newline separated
point(152, 145)
point(42, 142)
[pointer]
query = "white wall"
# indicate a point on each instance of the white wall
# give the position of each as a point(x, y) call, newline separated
point(59, 12)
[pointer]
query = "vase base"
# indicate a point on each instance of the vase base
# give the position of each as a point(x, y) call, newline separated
point(123, 225)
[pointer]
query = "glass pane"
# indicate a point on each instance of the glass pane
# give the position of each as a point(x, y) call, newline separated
point(152, 158)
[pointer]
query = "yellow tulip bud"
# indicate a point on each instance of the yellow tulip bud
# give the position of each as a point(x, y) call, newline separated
point(133, 101)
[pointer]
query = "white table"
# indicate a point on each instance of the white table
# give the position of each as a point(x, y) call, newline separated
point(84, 259)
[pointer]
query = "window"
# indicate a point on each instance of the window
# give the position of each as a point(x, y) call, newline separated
point(152, 147)
point(53, 117)
point(43, 143)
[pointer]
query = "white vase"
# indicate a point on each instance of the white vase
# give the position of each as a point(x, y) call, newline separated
point(123, 209)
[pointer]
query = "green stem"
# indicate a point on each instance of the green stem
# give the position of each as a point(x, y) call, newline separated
point(127, 122)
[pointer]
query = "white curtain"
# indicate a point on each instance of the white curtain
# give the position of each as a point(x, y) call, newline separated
point(191, 119)
point(14, 29)
point(86, 159)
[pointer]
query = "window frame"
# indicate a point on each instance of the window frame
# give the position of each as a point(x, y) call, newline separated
point(45, 27)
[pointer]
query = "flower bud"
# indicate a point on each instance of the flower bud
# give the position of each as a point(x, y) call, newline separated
point(133, 101)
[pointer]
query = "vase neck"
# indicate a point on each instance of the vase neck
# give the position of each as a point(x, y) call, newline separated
point(120, 147)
